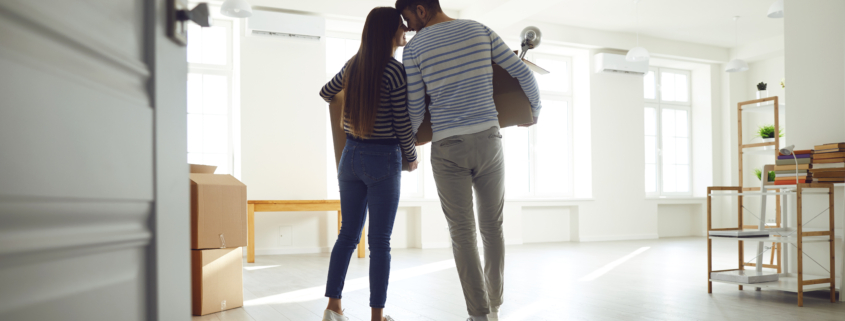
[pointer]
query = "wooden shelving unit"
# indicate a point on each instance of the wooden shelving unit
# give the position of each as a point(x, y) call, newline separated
point(763, 105)
point(792, 282)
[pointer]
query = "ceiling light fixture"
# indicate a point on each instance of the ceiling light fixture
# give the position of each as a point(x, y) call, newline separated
point(736, 65)
point(776, 9)
point(637, 53)
point(236, 9)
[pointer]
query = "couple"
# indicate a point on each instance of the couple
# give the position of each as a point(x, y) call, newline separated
point(451, 61)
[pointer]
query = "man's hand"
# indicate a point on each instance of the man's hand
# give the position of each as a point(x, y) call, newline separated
point(530, 124)
point(413, 166)
point(419, 143)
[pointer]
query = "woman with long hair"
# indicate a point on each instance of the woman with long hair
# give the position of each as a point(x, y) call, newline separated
point(379, 133)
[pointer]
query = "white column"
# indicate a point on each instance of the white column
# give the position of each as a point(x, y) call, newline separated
point(814, 39)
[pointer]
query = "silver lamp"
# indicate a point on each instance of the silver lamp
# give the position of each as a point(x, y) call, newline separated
point(530, 37)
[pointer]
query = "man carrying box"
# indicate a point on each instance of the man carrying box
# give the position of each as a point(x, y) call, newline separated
point(451, 61)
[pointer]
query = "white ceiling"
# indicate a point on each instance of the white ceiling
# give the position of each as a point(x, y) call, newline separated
point(700, 21)
point(706, 22)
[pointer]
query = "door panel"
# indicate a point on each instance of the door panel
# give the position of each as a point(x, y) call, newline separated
point(77, 160)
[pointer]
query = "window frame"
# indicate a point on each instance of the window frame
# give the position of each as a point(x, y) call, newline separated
point(227, 70)
point(659, 104)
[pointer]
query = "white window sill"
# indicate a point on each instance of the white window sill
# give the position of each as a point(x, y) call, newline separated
point(679, 200)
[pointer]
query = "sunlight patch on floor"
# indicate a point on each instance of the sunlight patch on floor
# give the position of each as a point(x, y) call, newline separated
point(253, 268)
point(318, 292)
point(603, 270)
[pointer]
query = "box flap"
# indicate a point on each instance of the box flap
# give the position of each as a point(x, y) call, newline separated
point(215, 179)
point(535, 68)
point(202, 169)
point(218, 212)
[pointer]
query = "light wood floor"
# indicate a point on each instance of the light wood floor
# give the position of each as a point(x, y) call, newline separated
point(660, 280)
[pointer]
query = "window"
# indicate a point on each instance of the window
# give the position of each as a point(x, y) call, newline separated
point(210, 98)
point(538, 160)
point(667, 132)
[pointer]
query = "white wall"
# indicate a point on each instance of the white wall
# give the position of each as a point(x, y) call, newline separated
point(283, 131)
point(281, 163)
point(620, 210)
point(814, 71)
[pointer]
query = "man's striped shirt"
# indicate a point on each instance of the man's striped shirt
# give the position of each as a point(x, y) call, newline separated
point(452, 62)
point(392, 120)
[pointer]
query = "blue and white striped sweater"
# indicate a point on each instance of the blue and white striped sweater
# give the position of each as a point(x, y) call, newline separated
point(451, 62)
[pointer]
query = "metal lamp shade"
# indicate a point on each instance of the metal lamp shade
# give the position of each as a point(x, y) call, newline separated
point(236, 9)
point(737, 65)
point(776, 10)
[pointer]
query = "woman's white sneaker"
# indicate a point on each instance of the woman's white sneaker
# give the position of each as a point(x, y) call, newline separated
point(330, 315)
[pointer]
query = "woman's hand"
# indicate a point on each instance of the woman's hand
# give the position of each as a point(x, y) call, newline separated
point(413, 166)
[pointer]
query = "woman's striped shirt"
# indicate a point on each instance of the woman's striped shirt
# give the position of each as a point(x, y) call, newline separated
point(392, 119)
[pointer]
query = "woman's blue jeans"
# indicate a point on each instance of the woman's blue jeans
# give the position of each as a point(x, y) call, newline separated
point(369, 176)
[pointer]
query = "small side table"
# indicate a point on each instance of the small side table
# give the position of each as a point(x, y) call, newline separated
point(293, 206)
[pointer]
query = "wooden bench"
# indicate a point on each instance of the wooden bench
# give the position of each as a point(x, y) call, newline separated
point(292, 206)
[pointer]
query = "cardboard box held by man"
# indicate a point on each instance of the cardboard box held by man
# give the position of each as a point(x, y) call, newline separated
point(512, 104)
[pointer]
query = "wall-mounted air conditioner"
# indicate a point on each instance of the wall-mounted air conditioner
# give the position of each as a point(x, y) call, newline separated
point(280, 24)
point(606, 62)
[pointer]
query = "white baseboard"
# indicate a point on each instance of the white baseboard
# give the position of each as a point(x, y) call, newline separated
point(604, 238)
point(291, 250)
point(436, 245)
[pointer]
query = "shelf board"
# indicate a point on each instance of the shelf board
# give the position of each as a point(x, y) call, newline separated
point(788, 282)
point(772, 239)
point(767, 152)
point(760, 145)
point(765, 107)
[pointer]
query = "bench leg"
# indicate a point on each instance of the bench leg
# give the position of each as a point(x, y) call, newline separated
point(250, 246)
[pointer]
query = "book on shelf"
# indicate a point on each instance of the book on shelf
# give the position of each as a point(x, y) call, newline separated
point(827, 165)
point(829, 155)
point(798, 156)
point(792, 167)
point(826, 170)
point(799, 152)
point(792, 172)
point(838, 174)
point(828, 151)
point(792, 182)
point(828, 160)
point(830, 146)
point(800, 174)
point(793, 161)
point(791, 178)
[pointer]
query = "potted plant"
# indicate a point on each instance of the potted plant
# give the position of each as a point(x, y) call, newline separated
point(761, 91)
point(767, 133)
point(759, 174)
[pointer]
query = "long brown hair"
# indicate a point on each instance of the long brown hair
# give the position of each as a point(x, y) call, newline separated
point(365, 71)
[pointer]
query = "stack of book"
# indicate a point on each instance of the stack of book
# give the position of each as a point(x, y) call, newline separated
point(828, 164)
point(787, 172)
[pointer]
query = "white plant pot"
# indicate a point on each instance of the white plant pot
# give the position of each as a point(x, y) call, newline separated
point(768, 140)
point(763, 94)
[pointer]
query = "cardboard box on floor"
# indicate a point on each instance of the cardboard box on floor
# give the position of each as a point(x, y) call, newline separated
point(217, 281)
point(511, 102)
point(218, 209)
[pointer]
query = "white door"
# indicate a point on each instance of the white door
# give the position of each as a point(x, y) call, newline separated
point(93, 174)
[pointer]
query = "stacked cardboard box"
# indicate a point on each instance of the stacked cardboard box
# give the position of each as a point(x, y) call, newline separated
point(218, 231)
point(829, 163)
point(785, 168)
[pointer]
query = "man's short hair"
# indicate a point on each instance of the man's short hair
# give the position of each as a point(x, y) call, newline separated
point(432, 5)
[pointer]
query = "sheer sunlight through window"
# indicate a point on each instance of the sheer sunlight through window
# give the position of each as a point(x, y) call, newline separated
point(210, 96)
point(667, 132)
point(538, 160)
